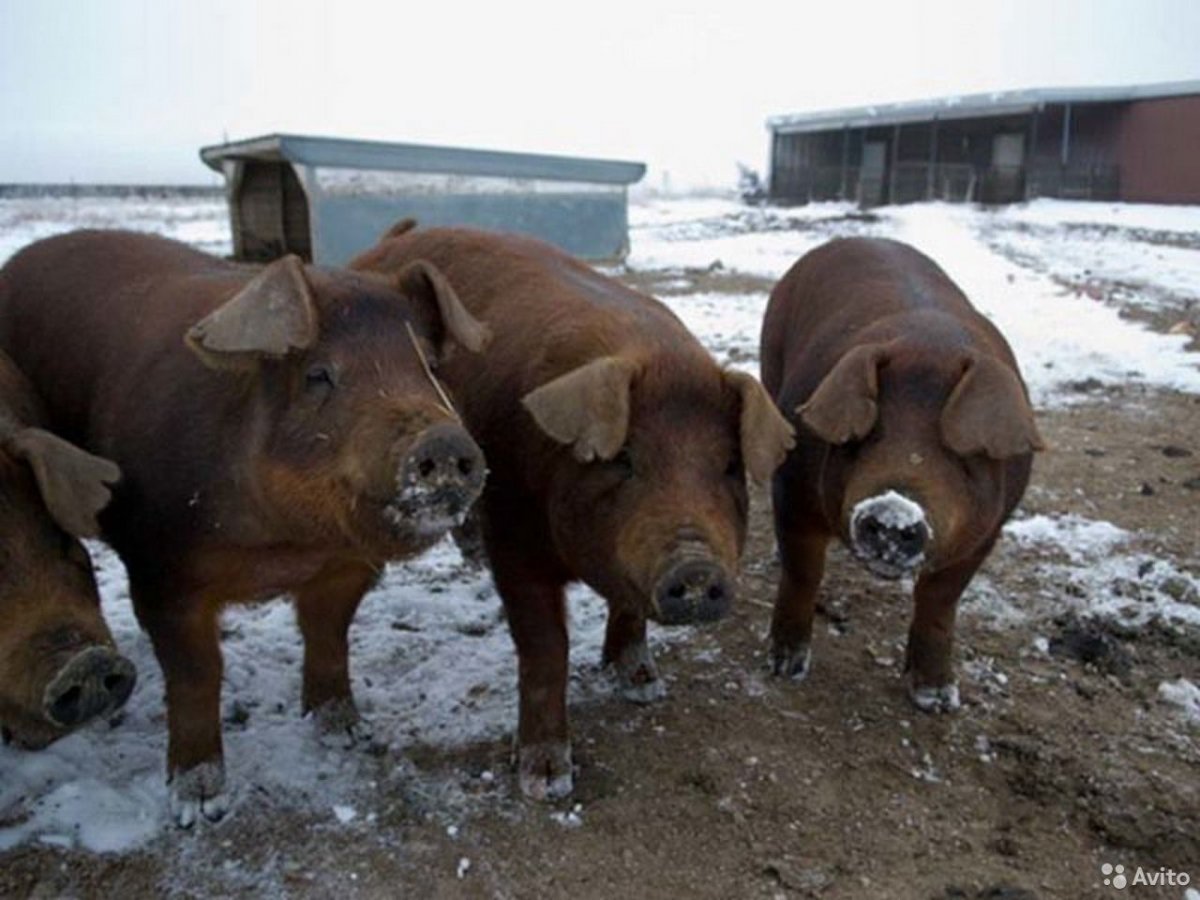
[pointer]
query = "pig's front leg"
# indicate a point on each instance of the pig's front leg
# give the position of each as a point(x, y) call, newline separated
point(929, 660)
point(186, 642)
point(802, 555)
point(535, 606)
point(325, 608)
point(625, 649)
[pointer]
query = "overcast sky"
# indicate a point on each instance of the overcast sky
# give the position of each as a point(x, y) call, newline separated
point(127, 90)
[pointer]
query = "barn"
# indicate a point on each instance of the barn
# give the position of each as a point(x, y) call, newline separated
point(327, 199)
point(1134, 143)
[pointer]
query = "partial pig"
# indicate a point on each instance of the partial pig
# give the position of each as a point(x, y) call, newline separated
point(59, 667)
point(618, 452)
point(280, 431)
point(915, 439)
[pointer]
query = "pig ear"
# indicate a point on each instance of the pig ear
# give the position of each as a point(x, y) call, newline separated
point(766, 435)
point(74, 484)
point(988, 412)
point(423, 281)
point(274, 313)
point(843, 406)
point(587, 408)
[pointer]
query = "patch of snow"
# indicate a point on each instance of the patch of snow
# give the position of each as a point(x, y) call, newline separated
point(1148, 216)
point(1183, 694)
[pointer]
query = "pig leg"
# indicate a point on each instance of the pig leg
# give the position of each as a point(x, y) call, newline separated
point(537, 620)
point(802, 554)
point(186, 642)
point(325, 607)
point(626, 651)
point(929, 659)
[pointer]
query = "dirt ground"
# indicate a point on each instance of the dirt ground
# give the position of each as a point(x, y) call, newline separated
point(741, 785)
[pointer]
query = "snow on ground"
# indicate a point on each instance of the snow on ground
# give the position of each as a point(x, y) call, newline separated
point(431, 657)
point(432, 663)
point(200, 221)
point(1145, 216)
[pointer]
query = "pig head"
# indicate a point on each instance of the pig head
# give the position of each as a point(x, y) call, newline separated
point(920, 444)
point(649, 507)
point(59, 668)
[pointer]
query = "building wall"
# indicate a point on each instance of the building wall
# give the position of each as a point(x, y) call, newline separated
point(1156, 146)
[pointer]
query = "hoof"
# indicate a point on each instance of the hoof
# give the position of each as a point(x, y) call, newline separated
point(198, 792)
point(935, 700)
point(340, 727)
point(637, 675)
point(544, 771)
point(793, 664)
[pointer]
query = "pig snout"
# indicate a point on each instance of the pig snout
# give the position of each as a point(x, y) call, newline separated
point(94, 682)
point(440, 476)
point(693, 587)
point(890, 534)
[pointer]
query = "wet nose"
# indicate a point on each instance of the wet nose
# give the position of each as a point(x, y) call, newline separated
point(890, 533)
point(693, 590)
point(445, 460)
point(94, 682)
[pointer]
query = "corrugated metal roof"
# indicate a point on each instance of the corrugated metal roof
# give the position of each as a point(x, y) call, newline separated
point(969, 106)
point(352, 154)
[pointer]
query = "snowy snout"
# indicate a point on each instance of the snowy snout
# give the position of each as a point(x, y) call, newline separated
point(440, 477)
point(890, 534)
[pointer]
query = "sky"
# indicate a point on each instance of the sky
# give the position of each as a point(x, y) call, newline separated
point(126, 91)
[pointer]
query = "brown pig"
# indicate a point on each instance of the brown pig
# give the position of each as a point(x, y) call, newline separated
point(618, 451)
point(58, 666)
point(279, 431)
point(914, 441)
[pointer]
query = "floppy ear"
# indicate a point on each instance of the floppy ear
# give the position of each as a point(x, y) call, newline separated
point(423, 281)
point(766, 435)
point(988, 412)
point(587, 408)
point(74, 484)
point(843, 406)
point(273, 314)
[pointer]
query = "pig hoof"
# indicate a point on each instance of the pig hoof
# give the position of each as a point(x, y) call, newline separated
point(793, 664)
point(544, 771)
point(339, 725)
point(637, 676)
point(931, 699)
point(200, 791)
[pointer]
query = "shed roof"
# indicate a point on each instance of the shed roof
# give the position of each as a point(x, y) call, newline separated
point(353, 154)
point(971, 106)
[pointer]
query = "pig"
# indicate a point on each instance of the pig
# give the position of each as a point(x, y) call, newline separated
point(280, 431)
point(618, 453)
point(915, 439)
point(59, 667)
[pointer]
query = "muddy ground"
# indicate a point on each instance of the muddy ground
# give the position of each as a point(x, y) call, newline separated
point(740, 785)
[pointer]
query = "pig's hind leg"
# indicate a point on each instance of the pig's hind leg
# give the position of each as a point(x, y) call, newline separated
point(325, 608)
point(625, 649)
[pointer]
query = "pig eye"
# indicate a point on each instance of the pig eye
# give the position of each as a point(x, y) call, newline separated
point(319, 378)
point(623, 461)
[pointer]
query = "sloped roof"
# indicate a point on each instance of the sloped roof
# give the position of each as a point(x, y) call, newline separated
point(970, 106)
point(353, 154)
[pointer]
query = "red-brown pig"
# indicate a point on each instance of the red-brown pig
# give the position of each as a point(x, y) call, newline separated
point(279, 430)
point(617, 450)
point(58, 666)
point(914, 441)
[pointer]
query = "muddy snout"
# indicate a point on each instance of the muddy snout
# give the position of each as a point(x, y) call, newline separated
point(94, 682)
point(439, 478)
point(692, 588)
point(890, 533)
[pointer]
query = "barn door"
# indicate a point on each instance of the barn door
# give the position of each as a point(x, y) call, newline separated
point(871, 175)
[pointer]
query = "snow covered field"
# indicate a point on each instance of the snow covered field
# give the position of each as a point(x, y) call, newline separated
point(431, 658)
